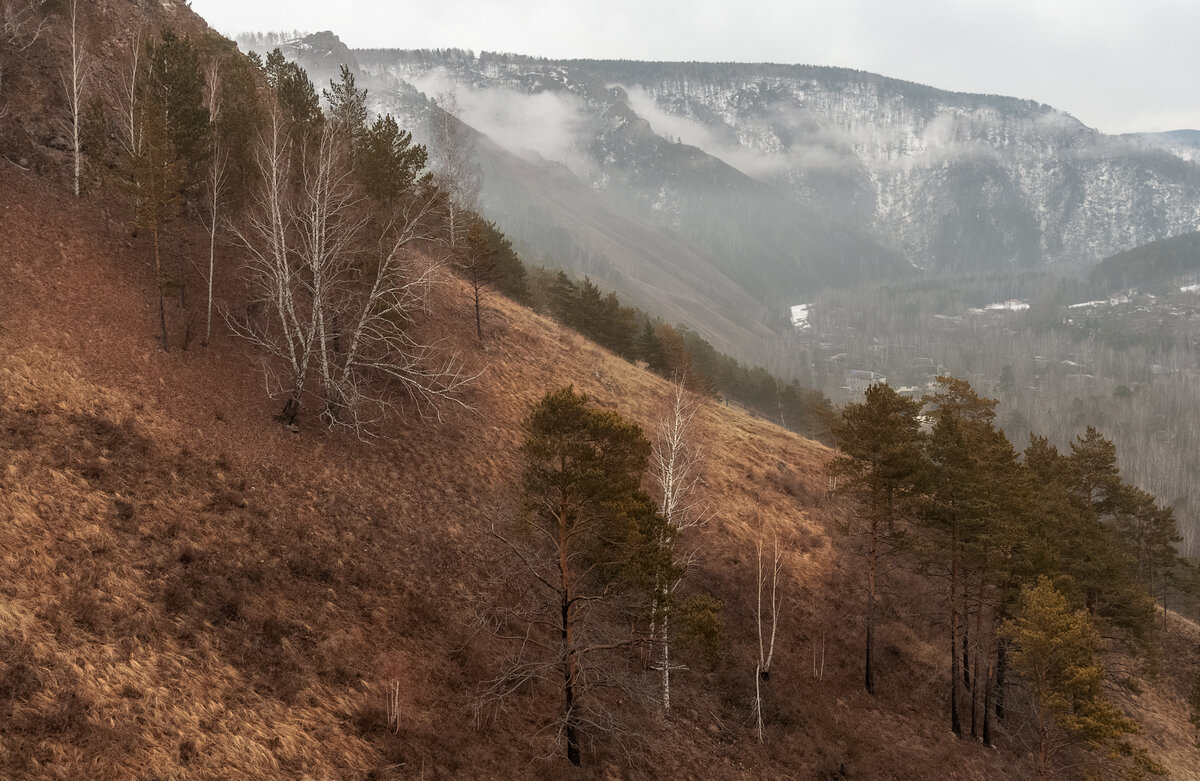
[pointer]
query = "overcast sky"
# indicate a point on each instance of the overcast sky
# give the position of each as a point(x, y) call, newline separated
point(1118, 65)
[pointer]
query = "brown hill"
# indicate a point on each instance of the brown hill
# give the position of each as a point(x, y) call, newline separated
point(193, 591)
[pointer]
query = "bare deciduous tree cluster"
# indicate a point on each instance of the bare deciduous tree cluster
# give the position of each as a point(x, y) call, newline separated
point(324, 302)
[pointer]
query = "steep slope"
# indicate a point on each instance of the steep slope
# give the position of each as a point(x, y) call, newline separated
point(33, 112)
point(770, 244)
point(192, 591)
point(554, 216)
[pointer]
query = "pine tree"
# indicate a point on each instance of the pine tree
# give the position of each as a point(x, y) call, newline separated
point(1056, 652)
point(155, 182)
point(296, 95)
point(347, 107)
point(475, 259)
point(651, 350)
point(1092, 470)
point(387, 161)
point(175, 83)
point(594, 544)
point(881, 468)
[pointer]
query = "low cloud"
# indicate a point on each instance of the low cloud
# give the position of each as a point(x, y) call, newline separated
point(547, 122)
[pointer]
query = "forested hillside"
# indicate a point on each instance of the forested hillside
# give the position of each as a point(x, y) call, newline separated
point(307, 474)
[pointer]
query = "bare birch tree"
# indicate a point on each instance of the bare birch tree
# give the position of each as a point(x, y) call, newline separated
point(676, 463)
point(216, 180)
point(74, 79)
point(127, 99)
point(766, 647)
point(22, 23)
point(322, 303)
point(454, 166)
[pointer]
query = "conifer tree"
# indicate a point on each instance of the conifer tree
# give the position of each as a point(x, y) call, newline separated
point(156, 181)
point(592, 548)
point(881, 469)
point(175, 84)
point(348, 107)
point(650, 349)
point(1056, 652)
point(1092, 469)
point(387, 162)
point(475, 259)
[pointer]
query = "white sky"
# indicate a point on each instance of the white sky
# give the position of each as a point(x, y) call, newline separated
point(1118, 65)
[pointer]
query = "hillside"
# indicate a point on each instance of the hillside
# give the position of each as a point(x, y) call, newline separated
point(197, 586)
point(193, 591)
point(1157, 264)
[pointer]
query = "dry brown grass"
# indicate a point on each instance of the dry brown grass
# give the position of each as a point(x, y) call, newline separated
point(190, 591)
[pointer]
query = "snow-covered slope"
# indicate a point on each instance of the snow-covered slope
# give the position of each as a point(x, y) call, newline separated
point(952, 180)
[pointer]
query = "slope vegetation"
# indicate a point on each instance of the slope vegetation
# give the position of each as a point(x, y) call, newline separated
point(190, 590)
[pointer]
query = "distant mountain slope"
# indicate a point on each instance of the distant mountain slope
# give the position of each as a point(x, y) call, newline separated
point(786, 179)
point(1155, 263)
point(1181, 143)
point(756, 234)
point(954, 181)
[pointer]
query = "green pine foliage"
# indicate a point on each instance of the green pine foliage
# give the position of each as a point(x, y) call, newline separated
point(295, 94)
point(1015, 542)
point(347, 106)
point(239, 119)
point(584, 511)
point(388, 163)
point(1057, 653)
point(174, 86)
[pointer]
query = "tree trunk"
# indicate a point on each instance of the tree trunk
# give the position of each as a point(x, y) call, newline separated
point(162, 307)
point(988, 687)
point(572, 726)
point(212, 251)
point(478, 322)
point(1001, 669)
point(955, 725)
point(974, 686)
point(570, 671)
point(966, 640)
point(287, 415)
point(665, 660)
point(1042, 755)
point(872, 563)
